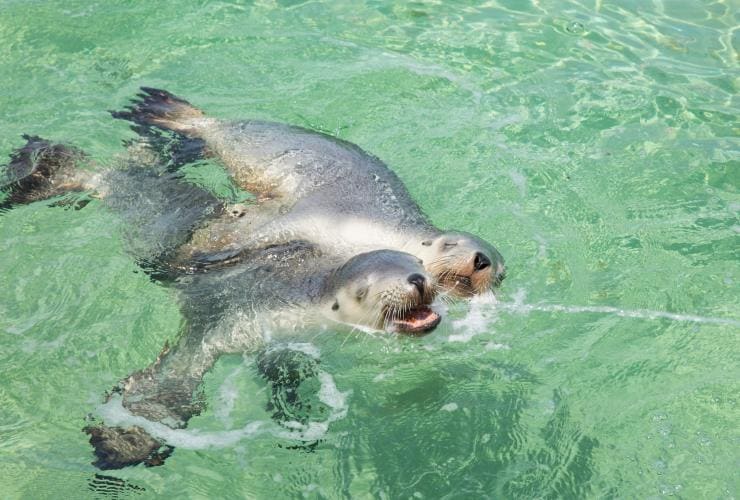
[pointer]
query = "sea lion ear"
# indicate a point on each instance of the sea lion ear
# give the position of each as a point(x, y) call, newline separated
point(335, 307)
point(427, 243)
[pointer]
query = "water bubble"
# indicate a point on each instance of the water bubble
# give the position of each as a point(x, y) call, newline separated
point(449, 407)
point(575, 27)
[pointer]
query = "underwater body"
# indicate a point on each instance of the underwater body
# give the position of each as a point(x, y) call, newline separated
point(594, 143)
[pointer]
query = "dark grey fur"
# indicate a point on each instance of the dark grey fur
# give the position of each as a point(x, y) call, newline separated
point(158, 208)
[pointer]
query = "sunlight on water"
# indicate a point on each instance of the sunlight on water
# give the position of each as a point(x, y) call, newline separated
point(596, 144)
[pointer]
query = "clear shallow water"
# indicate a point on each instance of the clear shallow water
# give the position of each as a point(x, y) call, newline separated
point(595, 143)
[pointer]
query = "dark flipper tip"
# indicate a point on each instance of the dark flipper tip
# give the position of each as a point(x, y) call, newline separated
point(159, 108)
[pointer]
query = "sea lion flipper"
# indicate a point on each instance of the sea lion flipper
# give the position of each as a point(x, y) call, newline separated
point(171, 149)
point(39, 170)
point(166, 392)
point(118, 447)
point(160, 108)
point(285, 369)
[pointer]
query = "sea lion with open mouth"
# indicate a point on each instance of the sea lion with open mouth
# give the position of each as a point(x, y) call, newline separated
point(290, 287)
point(282, 289)
point(328, 191)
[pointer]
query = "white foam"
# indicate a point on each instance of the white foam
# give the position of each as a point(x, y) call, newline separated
point(477, 320)
point(304, 347)
point(331, 396)
point(226, 399)
point(114, 414)
point(522, 308)
point(449, 407)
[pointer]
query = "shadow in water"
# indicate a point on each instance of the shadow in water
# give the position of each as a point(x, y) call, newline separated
point(113, 487)
point(561, 467)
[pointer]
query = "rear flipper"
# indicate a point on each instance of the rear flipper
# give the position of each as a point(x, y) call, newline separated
point(155, 107)
point(41, 170)
point(171, 150)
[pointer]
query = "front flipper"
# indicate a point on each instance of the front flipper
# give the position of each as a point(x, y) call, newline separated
point(286, 369)
point(118, 447)
point(166, 392)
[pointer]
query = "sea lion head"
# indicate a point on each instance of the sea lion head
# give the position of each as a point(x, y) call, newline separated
point(463, 264)
point(384, 290)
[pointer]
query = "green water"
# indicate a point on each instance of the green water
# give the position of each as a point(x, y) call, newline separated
point(595, 143)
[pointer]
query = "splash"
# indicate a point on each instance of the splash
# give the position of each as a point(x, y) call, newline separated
point(480, 316)
point(114, 413)
point(332, 397)
point(484, 309)
point(519, 306)
point(625, 313)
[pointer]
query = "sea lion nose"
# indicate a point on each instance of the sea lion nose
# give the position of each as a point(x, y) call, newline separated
point(418, 281)
point(481, 262)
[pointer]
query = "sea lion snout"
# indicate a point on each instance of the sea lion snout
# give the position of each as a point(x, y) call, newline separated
point(463, 264)
point(418, 281)
point(384, 289)
point(480, 261)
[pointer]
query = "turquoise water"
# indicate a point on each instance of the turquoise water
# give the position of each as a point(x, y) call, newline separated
point(595, 143)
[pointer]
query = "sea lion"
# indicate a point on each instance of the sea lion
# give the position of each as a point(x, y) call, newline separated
point(329, 191)
point(277, 290)
point(289, 287)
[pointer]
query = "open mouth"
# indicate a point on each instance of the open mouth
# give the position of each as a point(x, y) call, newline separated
point(418, 320)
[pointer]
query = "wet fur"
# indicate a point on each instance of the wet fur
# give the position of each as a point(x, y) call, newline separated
point(229, 310)
point(325, 189)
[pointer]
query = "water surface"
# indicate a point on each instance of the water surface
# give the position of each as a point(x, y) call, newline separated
point(595, 143)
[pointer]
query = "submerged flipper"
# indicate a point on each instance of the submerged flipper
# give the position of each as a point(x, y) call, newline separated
point(172, 150)
point(285, 369)
point(41, 170)
point(118, 447)
point(167, 391)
